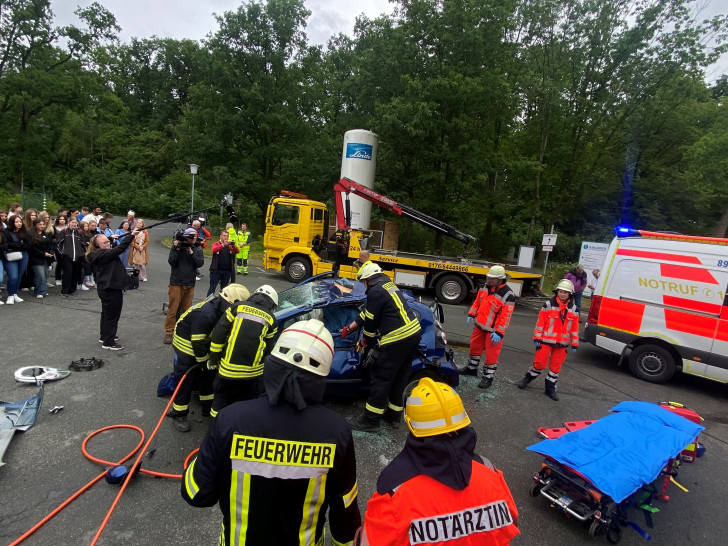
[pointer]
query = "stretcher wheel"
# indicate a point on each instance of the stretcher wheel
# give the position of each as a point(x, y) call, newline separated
point(614, 534)
point(596, 529)
point(535, 489)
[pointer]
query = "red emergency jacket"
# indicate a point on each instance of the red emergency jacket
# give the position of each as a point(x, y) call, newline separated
point(424, 511)
point(558, 324)
point(493, 308)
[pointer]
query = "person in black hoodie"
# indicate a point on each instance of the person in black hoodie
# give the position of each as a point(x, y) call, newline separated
point(71, 248)
point(111, 281)
point(17, 240)
point(185, 259)
point(438, 489)
point(41, 248)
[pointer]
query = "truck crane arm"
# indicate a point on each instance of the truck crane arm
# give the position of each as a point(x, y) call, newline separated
point(343, 218)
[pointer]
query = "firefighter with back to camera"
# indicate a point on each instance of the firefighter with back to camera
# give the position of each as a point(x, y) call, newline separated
point(278, 463)
point(240, 341)
point(438, 490)
point(388, 316)
point(192, 338)
point(557, 327)
point(492, 312)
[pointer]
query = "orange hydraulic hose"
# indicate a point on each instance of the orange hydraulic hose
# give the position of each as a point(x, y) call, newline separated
point(132, 471)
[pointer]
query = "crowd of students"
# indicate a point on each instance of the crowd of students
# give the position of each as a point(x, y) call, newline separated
point(38, 253)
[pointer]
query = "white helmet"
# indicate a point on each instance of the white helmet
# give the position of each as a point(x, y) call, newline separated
point(496, 272)
point(234, 292)
point(565, 284)
point(269, 291)
point(307, 345)
point(369, 269)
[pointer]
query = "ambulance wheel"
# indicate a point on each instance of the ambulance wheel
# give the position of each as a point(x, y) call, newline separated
point(652, 363)
point(451, 289)
point(535, 489)
point(297, 269)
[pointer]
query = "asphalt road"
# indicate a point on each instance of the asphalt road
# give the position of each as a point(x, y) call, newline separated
point(45, 465)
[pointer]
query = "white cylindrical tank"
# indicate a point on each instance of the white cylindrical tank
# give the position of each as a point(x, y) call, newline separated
point(358, 163)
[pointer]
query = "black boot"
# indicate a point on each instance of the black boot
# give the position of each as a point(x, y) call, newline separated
point(485, 383)
point(467, 370)
point(180, 423)
point(393, 418)
point(365, 425)
point(551, 390)
point(523, 383)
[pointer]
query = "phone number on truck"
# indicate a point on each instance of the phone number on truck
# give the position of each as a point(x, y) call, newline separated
point(449, 267)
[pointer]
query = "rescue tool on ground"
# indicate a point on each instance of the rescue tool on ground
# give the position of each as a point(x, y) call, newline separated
point(297, 243)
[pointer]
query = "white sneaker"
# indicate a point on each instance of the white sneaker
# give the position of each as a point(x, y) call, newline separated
point(25, 289)
point(87, 284)
point(39, 297)
point(17, 298)
point(2, 302)
point(83, 287)
point(10, 300)
point(59, 283)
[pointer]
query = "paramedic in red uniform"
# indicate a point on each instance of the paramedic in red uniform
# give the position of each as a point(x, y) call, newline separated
point(438, 490)
point(556, 329)
point(492, 311)
point(278, 463)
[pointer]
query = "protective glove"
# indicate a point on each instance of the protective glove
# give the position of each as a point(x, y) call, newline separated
point(537, 343)
point(573, 349)
point(361, 346)
point(345, 332)
point(213, 365)
point(495, 337)
point(469, 320)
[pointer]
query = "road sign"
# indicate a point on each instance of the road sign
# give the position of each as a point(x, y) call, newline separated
point(549, 239)
point(547, 248)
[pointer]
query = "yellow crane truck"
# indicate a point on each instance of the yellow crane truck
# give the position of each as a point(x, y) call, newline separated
point(296, 242)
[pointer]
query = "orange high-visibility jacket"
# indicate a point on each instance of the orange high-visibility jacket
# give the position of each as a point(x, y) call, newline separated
point(424, 511)
point(558, 324)
point(493, 308)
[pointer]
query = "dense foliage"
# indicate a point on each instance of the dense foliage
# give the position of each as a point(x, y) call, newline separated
point(502, 117)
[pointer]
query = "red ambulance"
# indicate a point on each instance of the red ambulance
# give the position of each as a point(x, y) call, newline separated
point(660, 302)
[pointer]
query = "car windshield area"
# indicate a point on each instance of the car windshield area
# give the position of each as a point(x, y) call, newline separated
point(298, 297)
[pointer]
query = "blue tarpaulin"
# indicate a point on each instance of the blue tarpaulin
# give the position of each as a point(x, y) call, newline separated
point(623, 451)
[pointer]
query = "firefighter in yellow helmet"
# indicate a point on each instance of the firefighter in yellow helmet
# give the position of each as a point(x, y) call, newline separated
point(438, 489)
point(557, 328)
point(491, 311)
point(191, 341)
point(277, 463)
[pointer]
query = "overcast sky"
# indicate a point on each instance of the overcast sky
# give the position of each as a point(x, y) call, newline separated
point(194, 19)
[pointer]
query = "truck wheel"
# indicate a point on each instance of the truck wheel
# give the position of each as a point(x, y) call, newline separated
point(451, 289)
point(297, 269)
point(652, 363)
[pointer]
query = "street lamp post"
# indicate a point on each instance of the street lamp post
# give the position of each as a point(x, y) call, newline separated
point(193, 170)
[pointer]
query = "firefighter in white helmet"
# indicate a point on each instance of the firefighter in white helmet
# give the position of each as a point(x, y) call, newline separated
point(191, 341)
point(438, 490)
point(276, 464)
point(240, 341)
point(556, 329)
point(389, 323)
point(492, 312)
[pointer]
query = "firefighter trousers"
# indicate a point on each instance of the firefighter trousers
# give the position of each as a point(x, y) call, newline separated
point(479, 341)
point(199, 379)
point(228, 391)
point(551, 356)
point(389, 377)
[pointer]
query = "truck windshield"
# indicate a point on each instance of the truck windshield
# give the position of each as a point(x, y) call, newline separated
point(285, 214)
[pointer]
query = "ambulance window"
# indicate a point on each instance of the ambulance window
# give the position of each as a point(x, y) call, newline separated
point(285, 214)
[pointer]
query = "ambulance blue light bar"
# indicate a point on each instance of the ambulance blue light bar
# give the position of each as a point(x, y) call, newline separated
point(627, 232)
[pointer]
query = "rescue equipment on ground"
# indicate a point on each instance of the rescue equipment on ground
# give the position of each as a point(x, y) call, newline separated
point(87, 364)
point(39, 374)
point(591, 473)
point(17, 416)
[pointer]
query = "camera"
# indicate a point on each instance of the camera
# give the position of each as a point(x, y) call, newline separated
point(184, 242)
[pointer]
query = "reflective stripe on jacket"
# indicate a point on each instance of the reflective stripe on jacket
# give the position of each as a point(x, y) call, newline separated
point(558, 323)
point(242, 339)
point(387, 314)
point(193, 331)
point(493, 308)
point(424, 511)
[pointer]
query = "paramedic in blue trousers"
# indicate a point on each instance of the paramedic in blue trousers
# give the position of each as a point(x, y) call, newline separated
point(277, 464)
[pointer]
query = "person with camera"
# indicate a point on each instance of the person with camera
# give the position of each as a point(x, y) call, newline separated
point(111, 281)
point(185, 257)
point(222, 268)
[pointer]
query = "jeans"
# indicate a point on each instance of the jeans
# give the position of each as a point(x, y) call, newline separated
point(15, 270)
point(40, 280)
point(218, 277)
point(577, 301)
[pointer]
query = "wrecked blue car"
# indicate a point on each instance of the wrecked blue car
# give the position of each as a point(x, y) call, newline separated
point(337, 302)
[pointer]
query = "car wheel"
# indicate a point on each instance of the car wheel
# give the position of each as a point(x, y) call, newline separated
point(451, 289)
point(415, 378)
point(652, 363)
point(298, 268)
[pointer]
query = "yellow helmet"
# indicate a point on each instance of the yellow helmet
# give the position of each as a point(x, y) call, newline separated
point(369, 269)
point(565, 284)
point(434, 408)
point(496, 272)
point(234, 292)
